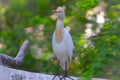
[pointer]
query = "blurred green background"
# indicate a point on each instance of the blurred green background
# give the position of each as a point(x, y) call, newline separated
point(94, 26)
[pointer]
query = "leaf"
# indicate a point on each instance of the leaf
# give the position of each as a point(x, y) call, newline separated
point(116, 6)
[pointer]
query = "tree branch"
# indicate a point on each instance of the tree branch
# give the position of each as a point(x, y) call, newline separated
point(5, 59)
point(14, 74)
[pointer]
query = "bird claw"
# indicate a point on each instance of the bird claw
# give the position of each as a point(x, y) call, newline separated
point(65, 76)
point(56, 75)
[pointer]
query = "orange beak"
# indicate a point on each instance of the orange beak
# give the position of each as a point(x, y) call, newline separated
point(54, 11)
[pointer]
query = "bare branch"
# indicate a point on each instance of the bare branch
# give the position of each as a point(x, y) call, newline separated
point(5, 59)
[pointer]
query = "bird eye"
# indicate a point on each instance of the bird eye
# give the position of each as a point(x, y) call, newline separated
point(59, 11)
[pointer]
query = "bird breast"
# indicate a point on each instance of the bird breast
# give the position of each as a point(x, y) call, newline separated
point(58, 35)
point(59, 42)
point(60, 48)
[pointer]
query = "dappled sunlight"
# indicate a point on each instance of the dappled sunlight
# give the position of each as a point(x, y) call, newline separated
point(90, 13)
point(88, 30)
point(2, 11)
point(53, 17)
point(88, 34)
point(99, 19)
point(39, 32)
point(37, 52)
point(68, 28)
point(38, 35)
point(2, 46)
point(29, 30)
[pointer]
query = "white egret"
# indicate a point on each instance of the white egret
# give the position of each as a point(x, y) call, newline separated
point(62, 43)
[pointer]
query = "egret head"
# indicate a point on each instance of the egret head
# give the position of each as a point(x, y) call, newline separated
point(60, 13)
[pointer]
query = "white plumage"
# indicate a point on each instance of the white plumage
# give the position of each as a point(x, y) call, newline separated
point(61, 41)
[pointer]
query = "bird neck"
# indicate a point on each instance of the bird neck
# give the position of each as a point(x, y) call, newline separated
point(59, 30)
point(60, 24)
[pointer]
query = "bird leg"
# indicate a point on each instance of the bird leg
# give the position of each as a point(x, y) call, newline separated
point(57, 73)
point(66, 73)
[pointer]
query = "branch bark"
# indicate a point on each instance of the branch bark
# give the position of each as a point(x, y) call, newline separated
point(7, 60)
point(13, 74)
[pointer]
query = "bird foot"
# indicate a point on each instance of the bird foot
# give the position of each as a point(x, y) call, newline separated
point(65, 77)
point(55, 76)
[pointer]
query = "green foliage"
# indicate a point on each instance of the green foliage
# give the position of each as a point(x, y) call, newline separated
point(116, 6)
point(82, 7)
point(95, 60)
point(85, 5)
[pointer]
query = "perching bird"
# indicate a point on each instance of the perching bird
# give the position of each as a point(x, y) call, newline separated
point(62, 43)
